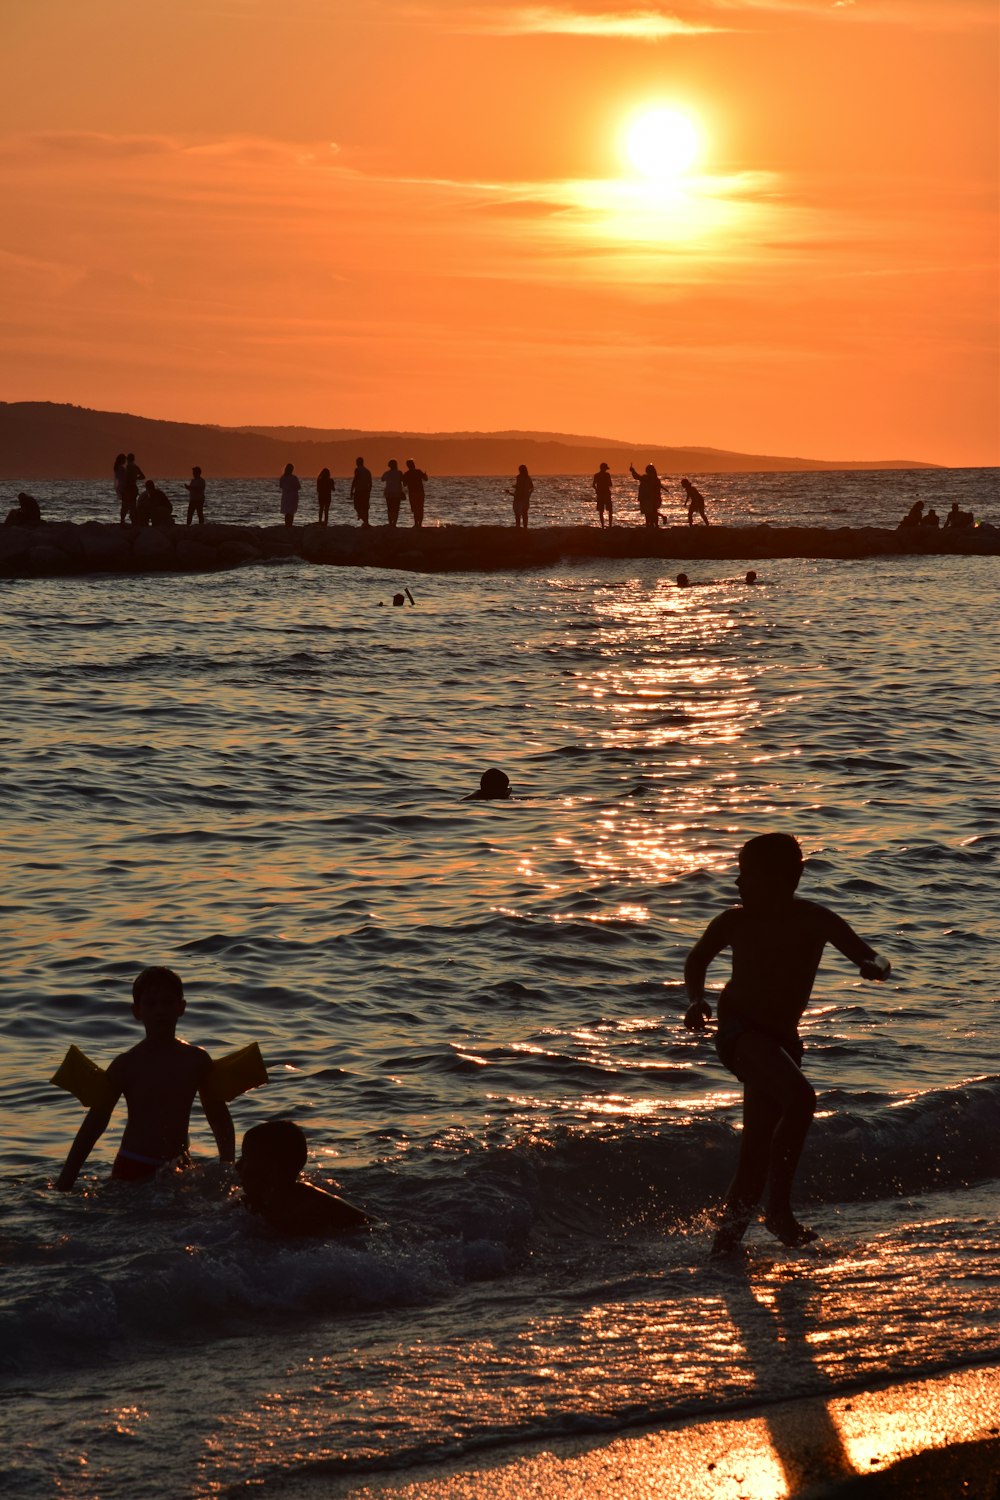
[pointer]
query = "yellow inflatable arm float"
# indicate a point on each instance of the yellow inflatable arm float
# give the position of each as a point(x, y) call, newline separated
point(228, 1076)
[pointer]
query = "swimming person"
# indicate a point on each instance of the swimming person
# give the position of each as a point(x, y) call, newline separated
point(361, 490)
point(522, 492)
point(159, 1078)
point(273, 1155)
point(695, 502)
point(289, 485)
point(494, 786)
point(196, 497)
point(414, 479)
point(650, 493)
point(777, 941)
point(392, 482)
point(602, 489)
point(324, 494)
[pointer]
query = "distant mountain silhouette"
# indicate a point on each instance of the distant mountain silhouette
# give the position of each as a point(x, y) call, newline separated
point(46, 440)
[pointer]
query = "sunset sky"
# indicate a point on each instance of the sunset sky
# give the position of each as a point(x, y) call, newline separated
point(387, 214)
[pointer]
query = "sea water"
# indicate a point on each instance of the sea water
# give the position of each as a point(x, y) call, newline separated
point(474, 1009)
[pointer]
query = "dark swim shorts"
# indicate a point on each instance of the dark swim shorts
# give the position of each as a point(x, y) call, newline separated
point(732, 1028)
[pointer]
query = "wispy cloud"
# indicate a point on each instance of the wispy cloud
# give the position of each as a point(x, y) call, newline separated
point(549, 20)
point(651, 23)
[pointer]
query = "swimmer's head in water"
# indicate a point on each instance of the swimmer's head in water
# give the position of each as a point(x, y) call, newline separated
point(751, 576)
point(272, 1153)
point(683, 581)
point(770, 865)
point(398, 599)
point(494, 783)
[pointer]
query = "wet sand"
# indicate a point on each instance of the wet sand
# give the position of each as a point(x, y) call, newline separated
point(64, 548)
point(938, 1437)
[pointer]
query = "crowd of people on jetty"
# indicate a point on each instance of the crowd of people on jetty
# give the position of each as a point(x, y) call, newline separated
point(151, 506)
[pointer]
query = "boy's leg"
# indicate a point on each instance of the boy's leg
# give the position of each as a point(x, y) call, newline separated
point(779, 1103)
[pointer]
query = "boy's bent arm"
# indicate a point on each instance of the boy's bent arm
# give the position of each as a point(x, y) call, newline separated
point(709, 946)
point(843, 937)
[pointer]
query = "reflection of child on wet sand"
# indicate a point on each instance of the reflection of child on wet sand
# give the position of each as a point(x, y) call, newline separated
point(273, 1155)
point(159, 1078)
point(777, 941)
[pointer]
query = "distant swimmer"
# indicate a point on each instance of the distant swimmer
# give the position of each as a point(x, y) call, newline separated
point(160, 1078)
point(392, 482)
point(273, 1155)
point(777, 941)
point(289, 484)
point(650, 493)
point(751, 577)
point(522, 492)
point(494, 786)
point(683, 581)
point(414, 479)
point(695, 502)
point(958, 519)
point(27, 513)
point(324, 494)
point(361, 490)
point(602, 489)
point(196, 496)
point(913, 515)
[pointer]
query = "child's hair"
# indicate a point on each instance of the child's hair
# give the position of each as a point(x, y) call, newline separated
point(161, 978)
point(777, 856)
point(279, 1143)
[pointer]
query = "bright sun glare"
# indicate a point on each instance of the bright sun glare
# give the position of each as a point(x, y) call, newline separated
point(663, 143)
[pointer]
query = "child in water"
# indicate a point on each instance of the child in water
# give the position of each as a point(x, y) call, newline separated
point(273, 1155)
point(159, 1078)
point(777, 941)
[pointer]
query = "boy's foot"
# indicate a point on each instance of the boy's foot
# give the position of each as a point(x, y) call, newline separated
point(788, 1230)
point(729, 1235)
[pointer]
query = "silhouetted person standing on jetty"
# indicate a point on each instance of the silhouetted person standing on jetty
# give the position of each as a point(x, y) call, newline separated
point(392, 482)
point(650, 493)
point(602, 489)
point(522, 491)
point(361, 490)
point(119, 472)
point(131, 475)
point(695, 500)
point(196, 497)
point(324, 494)
point(289, 484)
point(414, 480)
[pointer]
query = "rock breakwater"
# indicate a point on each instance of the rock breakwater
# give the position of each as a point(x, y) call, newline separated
point(68, 549)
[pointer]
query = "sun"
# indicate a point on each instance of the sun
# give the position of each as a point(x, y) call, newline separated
point(663, 143)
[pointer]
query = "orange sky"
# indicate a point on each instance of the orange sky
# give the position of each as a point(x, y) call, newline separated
point(379, 213)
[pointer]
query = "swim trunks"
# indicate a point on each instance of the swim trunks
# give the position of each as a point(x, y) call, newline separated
point(732, 1028)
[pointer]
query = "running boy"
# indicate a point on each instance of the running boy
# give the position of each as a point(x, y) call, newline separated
point(159, 1078)
point(777, 941)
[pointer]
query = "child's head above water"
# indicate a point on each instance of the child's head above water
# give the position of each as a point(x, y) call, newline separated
point(770, 865)
point(273, 1154)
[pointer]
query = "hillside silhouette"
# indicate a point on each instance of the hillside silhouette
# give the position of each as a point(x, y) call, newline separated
point(48, 440)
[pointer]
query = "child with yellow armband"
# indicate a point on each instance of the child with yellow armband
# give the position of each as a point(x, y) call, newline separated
point(160, 1079)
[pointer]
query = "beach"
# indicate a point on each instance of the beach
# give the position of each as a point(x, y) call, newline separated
point(934, 1438)
point(258, 776)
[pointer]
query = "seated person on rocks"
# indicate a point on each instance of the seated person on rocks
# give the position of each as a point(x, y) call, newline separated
point(273, 1155)
point(27, 512)
point(957, 518)
point(931, 518)
point(913, 516)
point(156, 505)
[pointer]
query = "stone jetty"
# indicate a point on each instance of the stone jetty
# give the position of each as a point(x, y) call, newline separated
point(62, 549)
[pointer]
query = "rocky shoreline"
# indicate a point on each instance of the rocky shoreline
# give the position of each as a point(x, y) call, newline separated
point(64, 549)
